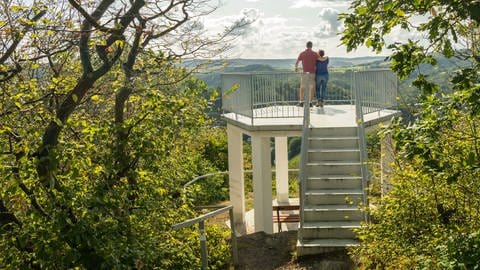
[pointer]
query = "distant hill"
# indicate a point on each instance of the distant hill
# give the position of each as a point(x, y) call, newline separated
point(282, 64)
point(440, 74)
point(212, 75)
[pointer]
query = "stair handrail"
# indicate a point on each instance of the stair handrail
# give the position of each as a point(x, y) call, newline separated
point(304, 150)
point(202, 233)
point(362, 142)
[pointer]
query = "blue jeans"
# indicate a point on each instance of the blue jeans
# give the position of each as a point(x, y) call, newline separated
point(321, 86)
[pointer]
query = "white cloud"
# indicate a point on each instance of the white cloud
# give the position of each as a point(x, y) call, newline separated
point(331, 16)
point(195, 25)
point(271, 37)
point(277, 30)
point(251, 13)
point(252, 1)
point(282, 37)
point(249, 18)
point(329, 24)
point(319, 3)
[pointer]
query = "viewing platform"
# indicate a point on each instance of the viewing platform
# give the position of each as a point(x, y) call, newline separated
point(328, 116)
point(333, 176)
point(268, 101)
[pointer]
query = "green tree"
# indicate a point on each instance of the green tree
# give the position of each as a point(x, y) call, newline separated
point(98, 125)
point(430, 219)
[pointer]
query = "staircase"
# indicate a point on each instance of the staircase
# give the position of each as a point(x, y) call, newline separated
point(332, 190)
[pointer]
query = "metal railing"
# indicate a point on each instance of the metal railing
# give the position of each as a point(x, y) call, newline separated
point(275, 94)
point(247, 173)
point(201, 219)
point(302, 178)
point(201, 177)
point(203, 236)
point(363, 148)
point(261, 95)
point(375, 90)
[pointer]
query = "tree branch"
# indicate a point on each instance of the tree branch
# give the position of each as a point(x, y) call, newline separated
point(90, 19)
point(19, 37)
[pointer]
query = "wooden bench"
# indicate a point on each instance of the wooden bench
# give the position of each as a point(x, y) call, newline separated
point(286, 218)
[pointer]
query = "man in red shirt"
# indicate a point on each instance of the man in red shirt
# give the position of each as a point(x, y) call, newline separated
point(308, 59)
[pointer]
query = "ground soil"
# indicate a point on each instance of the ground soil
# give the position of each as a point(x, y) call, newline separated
point(277, 252)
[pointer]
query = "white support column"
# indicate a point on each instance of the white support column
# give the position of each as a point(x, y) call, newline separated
point(281, 167)
point(262, 184)
point(236, 176)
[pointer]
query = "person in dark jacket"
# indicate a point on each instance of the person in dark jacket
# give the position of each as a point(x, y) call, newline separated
point(321, 78)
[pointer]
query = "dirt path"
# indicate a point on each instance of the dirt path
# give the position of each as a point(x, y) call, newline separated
point(277, 252)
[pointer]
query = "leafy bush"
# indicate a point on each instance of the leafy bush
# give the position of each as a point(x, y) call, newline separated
point(92, 215)
point(430, 219)
point(294, 146)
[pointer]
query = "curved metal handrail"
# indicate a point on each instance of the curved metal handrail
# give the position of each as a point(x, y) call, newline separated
point(203, 237)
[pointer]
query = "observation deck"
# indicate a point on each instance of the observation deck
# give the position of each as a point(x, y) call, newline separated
point(331, 115)
point(268, 101)
point(264, 106)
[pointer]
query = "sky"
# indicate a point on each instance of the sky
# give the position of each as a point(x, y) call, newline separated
point(281, 28)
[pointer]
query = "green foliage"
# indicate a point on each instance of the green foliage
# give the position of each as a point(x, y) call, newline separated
point(110, 231)
point(216, 147)
point(209, 190)
point(114, 187)
point(219, 247)
point(422, 223)
point(294, 146)
point(430, 220)
point(99, 132)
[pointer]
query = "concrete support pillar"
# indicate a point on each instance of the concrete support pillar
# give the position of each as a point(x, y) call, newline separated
point(281, 166)
point(236, 175)
point(386, 160)
point(262, 184)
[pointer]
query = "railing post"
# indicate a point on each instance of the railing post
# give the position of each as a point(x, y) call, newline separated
point(234, 238)
point(252, 98)
point(203, 238)
point(203, 244)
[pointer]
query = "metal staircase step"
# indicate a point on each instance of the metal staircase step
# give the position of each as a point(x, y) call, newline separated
point(334, 167)
point(334, 131)
point(330, 242)
point(332, 191)
point(333, 163)
point(330, 207)
point(333, 154)
point(330, 229)
point(333, 138)
point(333, 150)
point(332, 225)
point(333, 142)
point(334, 182)
point(321, 192)
point(318, 246)
point(335, 177)
point(335, 212)
point(334, 196)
